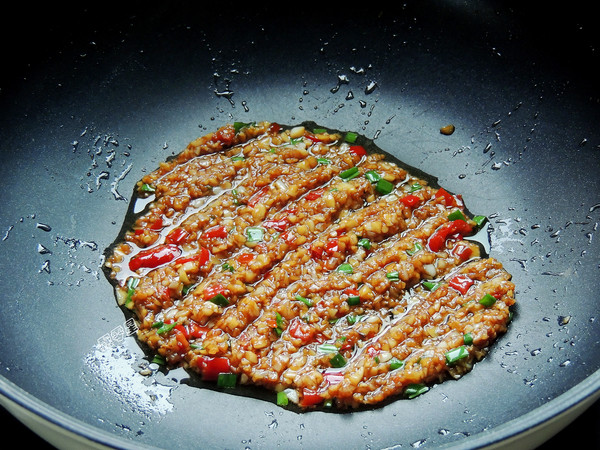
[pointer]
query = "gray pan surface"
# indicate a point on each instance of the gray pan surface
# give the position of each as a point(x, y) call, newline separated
point(102, 96)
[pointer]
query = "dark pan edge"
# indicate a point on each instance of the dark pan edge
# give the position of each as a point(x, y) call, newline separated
point(527, 431)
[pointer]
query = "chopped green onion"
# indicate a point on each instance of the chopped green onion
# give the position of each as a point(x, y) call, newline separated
point(279, 320)
point(254, 234)
point(352, 319)
point(416, 389)
point(226, 380)
point(487, 300)
point(158, 359)
point(186, 289)
point(297, 140)
point(282, 399)
point(415, 187)
point(219, 299)
point(319, 130)
point(338, 361)
point(372, 176)
point(393, 276)
point(384, 186)
point(396, 363)
point(353, 300)
point(237, 126)
point(323, 161)
point(304, 300)
point(328, 403)
point(456, 354)
point(351, 137)
point(327, 348)
point(430, 285)
point(415, 249)
point(131, 285)
point(456, 215)
point(345, 268)
point(147, 188)
point(237, 158)
point(227, 267)
point(165, 328)
point(479, 220)
point(364, 243)
point(468, 339)
point(350, 173)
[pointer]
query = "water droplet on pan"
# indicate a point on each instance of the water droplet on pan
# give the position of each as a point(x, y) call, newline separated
point(43, 227)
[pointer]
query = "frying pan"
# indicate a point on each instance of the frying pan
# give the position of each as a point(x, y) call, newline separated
point(105, 92)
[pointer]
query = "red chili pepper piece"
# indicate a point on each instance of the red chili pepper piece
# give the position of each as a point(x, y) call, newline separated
point(313, 195)
point(277, 225)
point(332, 246)
point(211, 367)
point(310, 397)
point(226, 135)
point(333, 377)
point(176, 236)
point(410, 200)
point(257, 198)
point(358, 150)
point(245, 258)
point(461, 283)
point(438, 239)
point(213, 290)
point(215, 232)
point(313, 138)
point(448, 198)
point(154, 257)
point(274, 128)
point(464, 252)
point(197, 331)
point(202, 257)
point(301, 330)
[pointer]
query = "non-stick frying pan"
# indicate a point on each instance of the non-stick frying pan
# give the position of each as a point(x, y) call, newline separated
point(105, 93)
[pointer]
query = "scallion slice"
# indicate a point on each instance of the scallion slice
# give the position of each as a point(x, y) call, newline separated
point(456, 354)
point(350, 173)
point(372, 176)
point(430, 285)
point(416, 389)
point(319, 130)
point(364, 243)
point(304, 300)
point(147, 188)
point(456, 215)
point(226, 380)
point(237, 158)
point(327, 348)
point(468, 339)
point(487, 300)
point(353, 300)
point(351, 137)
point(254, 234)
point(396, 363)
point(165, 328)
point(393, 276)
point(337, 360)
point(415, 187)
point(345, 268)
point(219, 299)
point(384, 186)
point(352, 319)
point(415, 249)
point(479, 220)
point(282, 399)
point(323, 161)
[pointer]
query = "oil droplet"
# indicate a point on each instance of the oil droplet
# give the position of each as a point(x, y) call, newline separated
point(43, 227)
point(419, 443)
point(43, 250)
point(370, 87)
point(45, 267)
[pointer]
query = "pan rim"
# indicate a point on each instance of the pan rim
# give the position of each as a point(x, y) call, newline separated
point(569, 404)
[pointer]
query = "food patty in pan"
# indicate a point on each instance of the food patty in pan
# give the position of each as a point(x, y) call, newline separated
point(294, 259)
